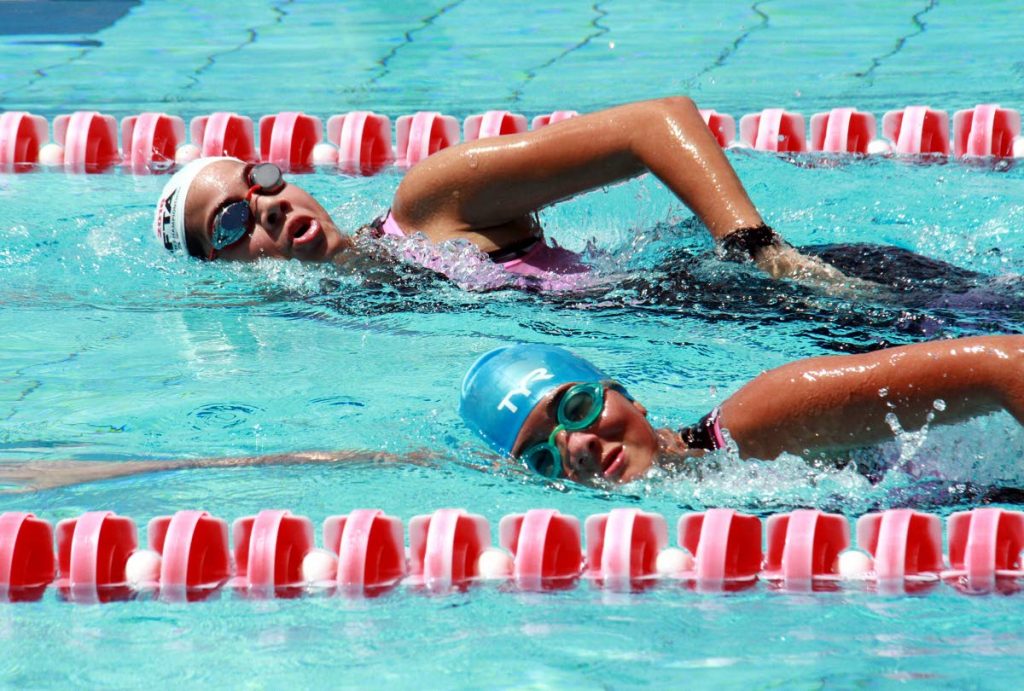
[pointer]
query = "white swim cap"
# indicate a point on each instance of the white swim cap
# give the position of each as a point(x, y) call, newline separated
point(169, 220)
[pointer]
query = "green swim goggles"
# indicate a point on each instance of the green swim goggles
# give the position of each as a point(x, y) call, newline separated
point(579, 408)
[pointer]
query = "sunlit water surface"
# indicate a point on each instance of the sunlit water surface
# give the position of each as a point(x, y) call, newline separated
point(114, 350)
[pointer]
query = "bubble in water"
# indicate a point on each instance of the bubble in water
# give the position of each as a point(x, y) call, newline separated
point(883, 392)
point(939, 404)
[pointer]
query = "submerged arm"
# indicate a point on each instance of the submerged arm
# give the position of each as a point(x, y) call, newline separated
point(842, 401)
point(486, 188)
point(39, 475)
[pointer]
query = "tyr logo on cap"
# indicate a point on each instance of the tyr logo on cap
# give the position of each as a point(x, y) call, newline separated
point(523, 388)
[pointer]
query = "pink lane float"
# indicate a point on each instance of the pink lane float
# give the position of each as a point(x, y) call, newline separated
point(219, 134)
point(22, 135)
point(96, 557)
point(363, 143)
point(987, 130)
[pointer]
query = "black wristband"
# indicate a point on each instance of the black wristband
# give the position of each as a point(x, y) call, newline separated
point(743, 244)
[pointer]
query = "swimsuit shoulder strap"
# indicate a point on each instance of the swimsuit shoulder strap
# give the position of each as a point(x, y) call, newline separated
point(705, 434)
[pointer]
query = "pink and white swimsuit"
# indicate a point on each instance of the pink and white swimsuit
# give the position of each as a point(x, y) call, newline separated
point(554, 266)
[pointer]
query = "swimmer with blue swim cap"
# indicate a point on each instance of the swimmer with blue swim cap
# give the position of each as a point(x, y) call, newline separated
point(565, 418)
point(559, 414)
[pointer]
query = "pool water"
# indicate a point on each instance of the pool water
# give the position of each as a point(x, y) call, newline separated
point(114, 350)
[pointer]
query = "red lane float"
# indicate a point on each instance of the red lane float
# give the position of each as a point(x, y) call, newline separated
point(917, 130)
point(545, 545)
point(985, 130)
point(88, 140)
point(726, 546)
point(150, 141)
point(445, 547)
point(192, 551)
point(842, 130)
point(906, 547)
point(804, 548)
point(363, 139)
point(623, 546)
point(369, 546)
point(493, 123)
point(27, 563)
point(985, 550)
point(92, 551)
point(274, 554)
point(423, 134)
point(269, 550)
point(288, 138)
point(22, 135)
point(221, 134)
point(774, 129)
point(722, 126)
point(551, 118)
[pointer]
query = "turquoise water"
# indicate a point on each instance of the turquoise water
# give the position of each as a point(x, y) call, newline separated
point(113, 350)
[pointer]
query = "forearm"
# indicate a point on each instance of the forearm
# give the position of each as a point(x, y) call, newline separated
point(671, 140)
point(844, 401)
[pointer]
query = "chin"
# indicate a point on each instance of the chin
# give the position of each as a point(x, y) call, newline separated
point(637, 470)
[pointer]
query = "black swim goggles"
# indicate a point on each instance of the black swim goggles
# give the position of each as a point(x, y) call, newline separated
point(579, 408)
point(234, 220)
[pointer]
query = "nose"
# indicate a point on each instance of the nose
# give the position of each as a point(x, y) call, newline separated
point(271, 210)
point(583, 451)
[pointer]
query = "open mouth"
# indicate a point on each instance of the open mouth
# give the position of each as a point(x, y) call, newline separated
point(614, 463)
point(304, 231)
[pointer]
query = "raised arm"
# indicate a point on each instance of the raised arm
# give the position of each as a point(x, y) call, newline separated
point(485, 183)
point(842, 401)
point(488, 188)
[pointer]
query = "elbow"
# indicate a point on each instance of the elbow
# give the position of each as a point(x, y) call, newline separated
point(677, 104)
point(675, 109)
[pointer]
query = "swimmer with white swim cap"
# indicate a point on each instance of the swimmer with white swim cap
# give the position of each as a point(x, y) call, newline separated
point(564, 418)
point(487, 192)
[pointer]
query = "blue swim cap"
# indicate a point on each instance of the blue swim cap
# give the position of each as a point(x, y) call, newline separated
point(502, 388)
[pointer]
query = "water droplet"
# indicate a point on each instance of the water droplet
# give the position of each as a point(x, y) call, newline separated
point(939, 404)
point(883, 392)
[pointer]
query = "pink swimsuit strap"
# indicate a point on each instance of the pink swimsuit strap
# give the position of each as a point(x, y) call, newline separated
point(390, 226)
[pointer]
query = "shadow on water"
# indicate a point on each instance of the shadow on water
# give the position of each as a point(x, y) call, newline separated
point(917, 298)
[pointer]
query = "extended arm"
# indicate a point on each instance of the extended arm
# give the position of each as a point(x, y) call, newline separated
point(485, 190)
point(29, 476)
point(842, 401)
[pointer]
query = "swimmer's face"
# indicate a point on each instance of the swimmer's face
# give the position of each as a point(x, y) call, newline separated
point(287, 224)
point(619, 446)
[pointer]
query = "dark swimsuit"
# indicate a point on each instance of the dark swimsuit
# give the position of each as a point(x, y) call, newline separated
point(705, 434)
